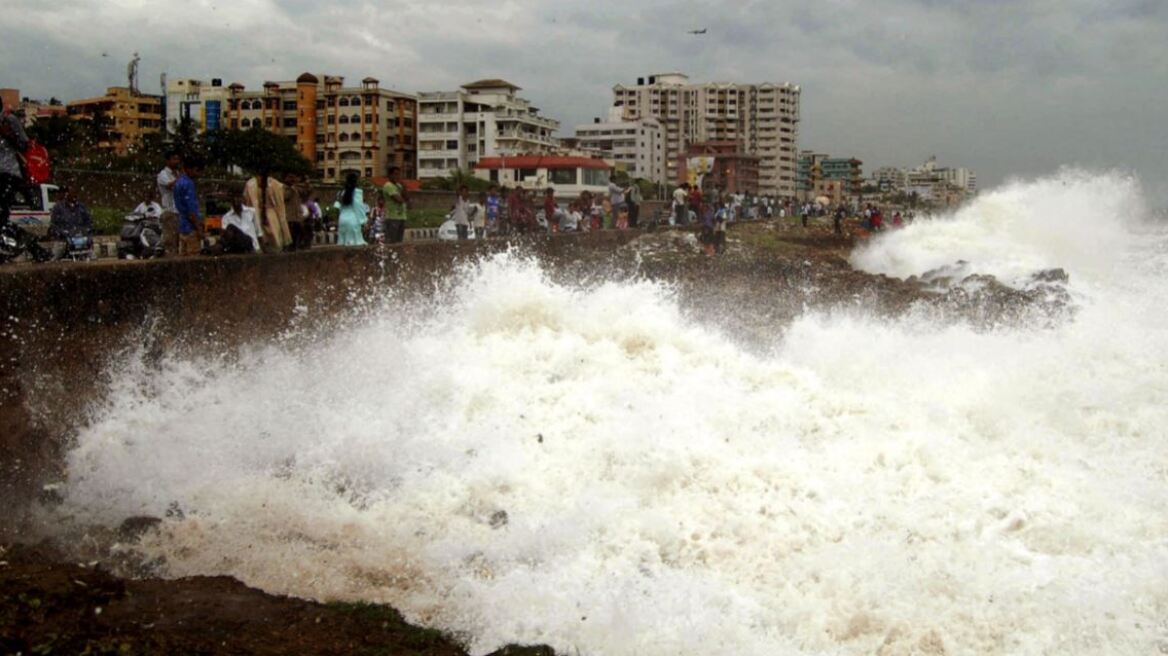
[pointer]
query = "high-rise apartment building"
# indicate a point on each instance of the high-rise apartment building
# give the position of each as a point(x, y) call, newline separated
point(363, 130)
point(482, 119)
point(763, 118)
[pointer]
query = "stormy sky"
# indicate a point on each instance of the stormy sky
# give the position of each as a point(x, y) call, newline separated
point(1006, 87)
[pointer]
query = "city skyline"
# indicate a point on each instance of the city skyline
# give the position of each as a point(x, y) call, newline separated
point(1012, 89)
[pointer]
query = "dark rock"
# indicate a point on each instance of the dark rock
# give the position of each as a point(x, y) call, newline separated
point(133, 527)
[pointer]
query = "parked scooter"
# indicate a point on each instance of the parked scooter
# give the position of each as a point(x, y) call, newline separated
point(141, 237)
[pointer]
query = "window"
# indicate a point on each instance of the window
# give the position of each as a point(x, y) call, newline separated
point(596, 177)
point(343, 102)
point(369, 154)
point(343, 137)
point(289, 122)
point(245, 123)
point(368, 136)
point(290, 105)
point(368, 172)
point(332, 172)
point(343, 119)
point(369, 118)
point(451, 145)
point(562, 176)
point(527, 173)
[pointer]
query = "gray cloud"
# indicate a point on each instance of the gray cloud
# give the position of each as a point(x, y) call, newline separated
point(1008, 87)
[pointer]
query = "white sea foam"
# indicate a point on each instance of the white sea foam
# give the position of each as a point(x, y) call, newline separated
point(587, 468)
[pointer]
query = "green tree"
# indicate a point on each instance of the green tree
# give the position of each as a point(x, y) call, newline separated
point(456, 179)
point(256, 149)
point(61, 135)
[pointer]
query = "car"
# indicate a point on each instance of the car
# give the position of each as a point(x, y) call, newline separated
point(449, 232)
point(34, 214)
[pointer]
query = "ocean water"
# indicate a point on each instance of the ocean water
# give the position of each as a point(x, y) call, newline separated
point(513, 460)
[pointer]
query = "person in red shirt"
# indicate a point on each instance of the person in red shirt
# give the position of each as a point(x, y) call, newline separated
point(695, 200)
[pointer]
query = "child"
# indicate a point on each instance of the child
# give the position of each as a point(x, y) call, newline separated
point(720, 218)
point(376, 224)
point(479, 216)
point(493, 206)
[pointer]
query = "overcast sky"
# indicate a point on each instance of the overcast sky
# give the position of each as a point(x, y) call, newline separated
point(1008, 88)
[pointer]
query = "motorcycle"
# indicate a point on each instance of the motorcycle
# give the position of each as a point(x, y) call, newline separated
point(76, 246)
point(140, 238)
point(15, 242)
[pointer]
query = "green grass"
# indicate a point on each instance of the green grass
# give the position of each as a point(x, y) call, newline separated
point(107, 220)
point(428, 218)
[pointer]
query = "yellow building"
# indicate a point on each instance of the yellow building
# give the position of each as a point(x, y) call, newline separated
point(130, 116)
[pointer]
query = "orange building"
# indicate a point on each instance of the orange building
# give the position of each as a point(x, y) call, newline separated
point(339, 129)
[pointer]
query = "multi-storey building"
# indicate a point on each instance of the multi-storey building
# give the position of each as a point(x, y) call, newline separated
point(929, 174)
point(764, 118)
point(363, 130)
point(128, 116)
point(817, 169)
point(637, 147)
point(735, 171)
point(482, 119)
point(203, 103)
point(890, 178)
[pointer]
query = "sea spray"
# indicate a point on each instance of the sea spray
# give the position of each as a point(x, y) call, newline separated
point(514, 460)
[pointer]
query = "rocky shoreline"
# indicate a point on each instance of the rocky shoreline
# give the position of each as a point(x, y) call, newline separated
point(771, 273)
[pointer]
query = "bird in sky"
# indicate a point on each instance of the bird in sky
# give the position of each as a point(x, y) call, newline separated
point(701, 31)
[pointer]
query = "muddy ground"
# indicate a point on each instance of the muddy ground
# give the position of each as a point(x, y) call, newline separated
point(770, 273)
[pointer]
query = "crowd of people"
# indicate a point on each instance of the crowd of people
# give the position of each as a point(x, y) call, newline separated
point(269, 215)
point(275, 214)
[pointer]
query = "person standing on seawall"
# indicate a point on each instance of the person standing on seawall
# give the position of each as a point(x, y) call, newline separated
point(299, 232)
point(266, 195)
point(396, 200)
point(633, 200)
point(13, 142)
point(461, 213)
point(493, 205)
point(478, 219)
point(186, 204)
point(681, 204)
point(165, 182)
point(352, 215)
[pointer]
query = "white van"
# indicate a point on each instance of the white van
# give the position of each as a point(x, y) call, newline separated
point(34, 217)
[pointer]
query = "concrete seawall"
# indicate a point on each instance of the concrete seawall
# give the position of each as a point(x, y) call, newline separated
point(61, 326)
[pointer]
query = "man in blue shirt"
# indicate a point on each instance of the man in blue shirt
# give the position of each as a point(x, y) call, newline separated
point(186, 204)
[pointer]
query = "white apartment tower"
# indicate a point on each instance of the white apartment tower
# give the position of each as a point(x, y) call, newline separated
point(763, 118)
point(637, 146)
point(482, 119)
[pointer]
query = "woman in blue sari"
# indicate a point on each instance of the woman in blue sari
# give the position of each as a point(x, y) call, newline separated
point(353, 211)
